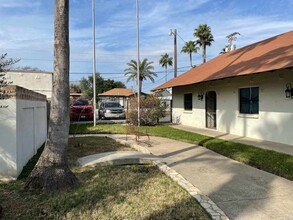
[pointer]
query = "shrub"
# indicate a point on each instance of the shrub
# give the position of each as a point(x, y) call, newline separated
point(151, 110)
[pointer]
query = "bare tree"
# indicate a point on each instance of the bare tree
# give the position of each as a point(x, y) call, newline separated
point(51, 171)
point(29, 68)
point(5, 64)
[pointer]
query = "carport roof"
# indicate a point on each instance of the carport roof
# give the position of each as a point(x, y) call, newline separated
point(118, 92)
point(267, 55)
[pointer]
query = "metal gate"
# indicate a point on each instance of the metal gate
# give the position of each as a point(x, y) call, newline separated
point(211, 109)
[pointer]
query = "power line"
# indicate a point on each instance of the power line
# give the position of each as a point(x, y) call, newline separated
point(120, 73)
point(78, 53)
point(180, 37)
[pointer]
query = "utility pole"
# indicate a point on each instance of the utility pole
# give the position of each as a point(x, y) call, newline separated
point(175, 53)
point(174, 32)
point(137, 65)
point(231, 37)
point(94, 60)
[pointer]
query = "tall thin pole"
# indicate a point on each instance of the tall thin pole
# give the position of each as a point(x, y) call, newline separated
point(94, 60)
point(138, 64)
point(175, 53)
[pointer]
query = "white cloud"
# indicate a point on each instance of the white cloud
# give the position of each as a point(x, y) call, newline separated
point(30, 35)
point(19, 4)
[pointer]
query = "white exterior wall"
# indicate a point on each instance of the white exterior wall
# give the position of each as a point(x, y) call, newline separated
point(23, 129)
point(8, 152)
point(40, 82)
point(274, 121)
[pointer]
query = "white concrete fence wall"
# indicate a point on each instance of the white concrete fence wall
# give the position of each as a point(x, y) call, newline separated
point(23, 129)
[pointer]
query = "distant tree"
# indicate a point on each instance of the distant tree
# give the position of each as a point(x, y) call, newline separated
point(29, 68)
point(166, 61)
point(102, 85)
point(51, 171)
point(146, 71)
point(223, 51)
point(75, 88)
point(190, 47)
point(205, 38)
point(5, 64)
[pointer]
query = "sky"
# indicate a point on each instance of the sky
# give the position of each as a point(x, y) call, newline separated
point(27, 32)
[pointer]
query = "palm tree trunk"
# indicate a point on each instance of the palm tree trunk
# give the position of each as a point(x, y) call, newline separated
point(190, 60)
point(166, 72)
point(140, 86)
point(204, 52)
point(52, 172)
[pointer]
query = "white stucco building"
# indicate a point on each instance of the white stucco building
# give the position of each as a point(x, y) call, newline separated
point(246, 92)
point(37, 81)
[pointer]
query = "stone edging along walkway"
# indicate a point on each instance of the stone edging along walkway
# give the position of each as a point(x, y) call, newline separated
point(211, 208)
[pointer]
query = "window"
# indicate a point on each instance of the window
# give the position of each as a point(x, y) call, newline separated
point(81, 102)
point(188, 101)
point(249, 100)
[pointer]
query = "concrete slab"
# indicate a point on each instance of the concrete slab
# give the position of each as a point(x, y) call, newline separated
point(241, 191)
point(117, 158)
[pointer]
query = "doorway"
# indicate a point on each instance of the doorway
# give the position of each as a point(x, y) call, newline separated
point(211, 109)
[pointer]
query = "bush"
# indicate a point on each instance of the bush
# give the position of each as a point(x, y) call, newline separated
point(151, 110)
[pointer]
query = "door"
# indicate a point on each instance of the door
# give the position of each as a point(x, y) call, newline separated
point(211, 109)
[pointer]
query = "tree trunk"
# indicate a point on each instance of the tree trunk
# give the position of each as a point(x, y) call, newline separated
point(166, 72)
point(204, 52)
point(52, 172)
point(140, 86)
point(190, 60)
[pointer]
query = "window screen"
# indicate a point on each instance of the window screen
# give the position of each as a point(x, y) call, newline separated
point(188, 101)
point(249, 98)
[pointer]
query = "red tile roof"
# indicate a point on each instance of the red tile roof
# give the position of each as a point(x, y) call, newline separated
point(267, 55)
point(118, 92)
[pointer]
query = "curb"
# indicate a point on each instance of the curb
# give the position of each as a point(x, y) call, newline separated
point(210, 207)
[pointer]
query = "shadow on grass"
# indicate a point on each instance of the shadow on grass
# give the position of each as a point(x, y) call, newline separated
point(271, 161)
point(204, 141)
point(110, 192)
point(102, 188)
point(176, 212)
point(27, 169)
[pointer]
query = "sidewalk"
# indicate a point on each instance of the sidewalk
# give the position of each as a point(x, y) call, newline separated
point(241, 191)
point(283, 148)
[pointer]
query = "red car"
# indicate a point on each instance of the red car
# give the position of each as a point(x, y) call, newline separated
point(81, 110)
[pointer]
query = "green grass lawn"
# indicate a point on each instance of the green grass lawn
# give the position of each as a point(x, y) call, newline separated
point(110, 192)
point(277, 163)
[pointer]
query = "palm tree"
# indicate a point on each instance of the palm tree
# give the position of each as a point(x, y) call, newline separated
point(146, 71)
point(190, 47)
point(205, 38)
point(223, 51)
point(51, 171)
point(166, 61)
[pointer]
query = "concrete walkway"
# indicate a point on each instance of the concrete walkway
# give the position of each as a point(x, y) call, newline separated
point(283, 148)
point(117, 158)
point(241, 191)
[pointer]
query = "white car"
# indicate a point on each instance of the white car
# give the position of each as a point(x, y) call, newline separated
point(111, 110)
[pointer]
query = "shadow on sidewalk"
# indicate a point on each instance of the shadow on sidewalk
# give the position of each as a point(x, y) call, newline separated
point(239, 190)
